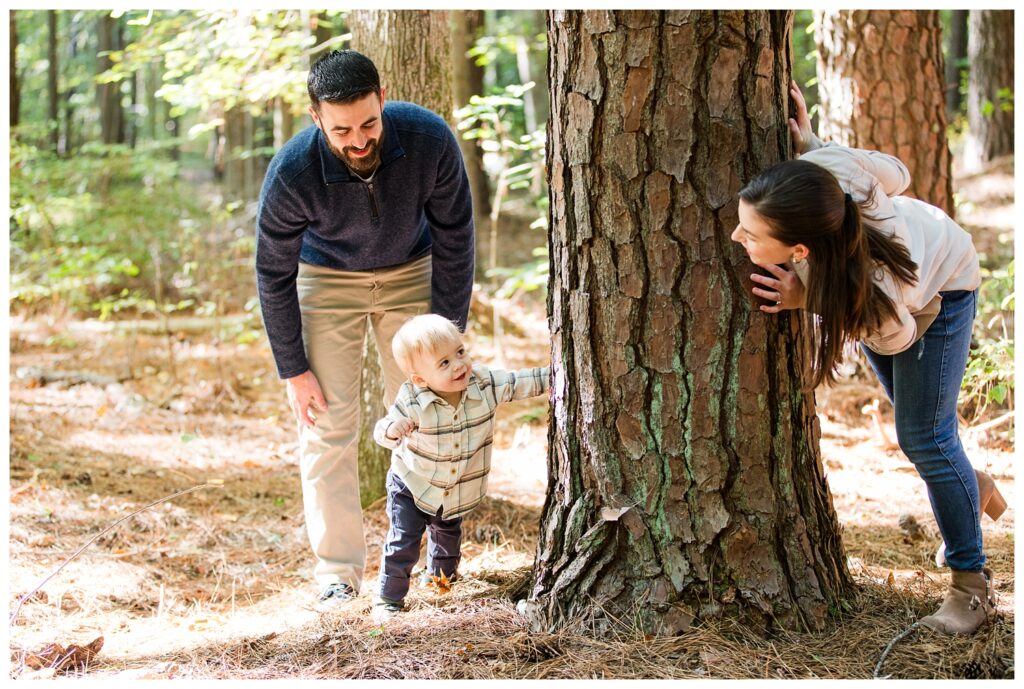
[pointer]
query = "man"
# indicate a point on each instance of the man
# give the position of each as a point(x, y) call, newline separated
point(365, 217)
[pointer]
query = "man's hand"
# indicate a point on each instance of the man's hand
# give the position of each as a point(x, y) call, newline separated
point(304, 395)
point(785, 290)
point(800, 127)
point(399, 429)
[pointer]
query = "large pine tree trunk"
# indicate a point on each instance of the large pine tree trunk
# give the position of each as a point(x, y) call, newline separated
point(880, 82)
point(468, 81)
point(13, 71)
point(412, 52)
point(685, 479)
point(990, 50)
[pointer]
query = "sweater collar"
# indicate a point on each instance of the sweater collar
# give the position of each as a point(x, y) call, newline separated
point(335, 171)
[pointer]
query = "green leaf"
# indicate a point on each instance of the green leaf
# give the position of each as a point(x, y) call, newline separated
point(998, 393)
point(187, 437)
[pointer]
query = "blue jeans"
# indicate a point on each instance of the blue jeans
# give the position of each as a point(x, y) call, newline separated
point(923, 383)
point(401, 549)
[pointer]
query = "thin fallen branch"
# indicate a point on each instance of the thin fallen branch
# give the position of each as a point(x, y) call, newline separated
point(92, 540)
point(992, 424)
point(881, 661)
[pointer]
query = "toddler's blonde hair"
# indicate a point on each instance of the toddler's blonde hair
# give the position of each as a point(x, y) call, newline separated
point(421, 334)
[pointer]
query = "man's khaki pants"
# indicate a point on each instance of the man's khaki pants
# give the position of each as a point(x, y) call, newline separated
point(336, 307)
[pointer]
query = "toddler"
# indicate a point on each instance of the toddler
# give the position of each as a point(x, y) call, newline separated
point(440, 429)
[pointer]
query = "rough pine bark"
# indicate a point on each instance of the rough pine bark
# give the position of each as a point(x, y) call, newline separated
point(880, 86)
point(990, 54)
point(412, 52)
point(685, 479)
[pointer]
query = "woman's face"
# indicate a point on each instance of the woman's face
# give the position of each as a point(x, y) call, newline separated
point(755, 235)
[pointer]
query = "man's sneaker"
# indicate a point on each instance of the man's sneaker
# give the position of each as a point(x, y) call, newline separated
point(334, 595)
point(384, 609)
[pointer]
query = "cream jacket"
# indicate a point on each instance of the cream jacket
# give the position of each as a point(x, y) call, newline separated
point(943, 251)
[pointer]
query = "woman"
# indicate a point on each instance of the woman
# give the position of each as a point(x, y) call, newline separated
point(901, 277)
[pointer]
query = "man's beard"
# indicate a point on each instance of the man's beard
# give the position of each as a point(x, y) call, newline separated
point(361, 165)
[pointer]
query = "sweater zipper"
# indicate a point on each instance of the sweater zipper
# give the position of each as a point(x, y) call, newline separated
point(374, 211)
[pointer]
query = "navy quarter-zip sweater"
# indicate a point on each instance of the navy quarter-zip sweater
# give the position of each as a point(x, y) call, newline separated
point(312, 209)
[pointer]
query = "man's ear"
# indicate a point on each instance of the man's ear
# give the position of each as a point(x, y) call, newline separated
point(383, 92)
point(312, 113)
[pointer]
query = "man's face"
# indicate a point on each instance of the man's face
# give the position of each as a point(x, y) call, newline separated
point(353, 130)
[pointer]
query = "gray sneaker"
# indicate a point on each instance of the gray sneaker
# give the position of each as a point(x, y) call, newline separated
point(334, 595)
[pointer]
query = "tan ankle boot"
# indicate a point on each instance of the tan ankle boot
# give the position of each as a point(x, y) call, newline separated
point(991, 502)
point(970, 600)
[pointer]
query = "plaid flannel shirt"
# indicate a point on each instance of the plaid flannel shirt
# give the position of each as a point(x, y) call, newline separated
point(446, 459)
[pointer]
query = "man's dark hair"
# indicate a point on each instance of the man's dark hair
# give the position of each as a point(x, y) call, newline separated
point(342, 76)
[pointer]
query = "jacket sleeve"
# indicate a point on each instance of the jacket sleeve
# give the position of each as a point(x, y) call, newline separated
point(401, 409)
point(518, 385)
point(281, 221)
point(449, 211)
point(865, 174)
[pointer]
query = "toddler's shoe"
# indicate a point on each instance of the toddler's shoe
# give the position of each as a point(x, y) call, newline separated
point(384, 609)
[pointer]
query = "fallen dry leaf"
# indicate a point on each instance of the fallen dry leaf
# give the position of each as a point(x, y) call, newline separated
point(440, 584)
point(58, 658)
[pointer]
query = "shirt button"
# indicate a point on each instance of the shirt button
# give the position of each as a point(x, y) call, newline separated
point(456, 445)
point(447, 492)
point(453, 471)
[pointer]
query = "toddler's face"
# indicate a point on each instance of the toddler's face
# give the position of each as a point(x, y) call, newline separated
point(444, 370)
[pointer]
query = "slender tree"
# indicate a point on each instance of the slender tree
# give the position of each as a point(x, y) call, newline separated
point(880, 84)
point(989, 110)
point(956, 55)
point(13, 71)
point(468, 81)
point(412, 52)
point(52, 76)
point(109, 94)
point(685, 478)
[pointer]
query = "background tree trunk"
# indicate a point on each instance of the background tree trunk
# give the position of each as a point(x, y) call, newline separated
point(52, 76)
point(109, 94)
point(412, 52)
point(468, 81)
point(990, 48)
point(684, 473)
point(13, 71)
point(880, 77)
point(956, 55)
point(322, 32)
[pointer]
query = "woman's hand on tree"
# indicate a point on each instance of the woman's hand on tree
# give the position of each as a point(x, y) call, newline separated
point(800, 127)
point(785, 290)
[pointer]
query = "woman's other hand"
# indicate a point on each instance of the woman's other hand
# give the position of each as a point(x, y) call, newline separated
point(785, 290)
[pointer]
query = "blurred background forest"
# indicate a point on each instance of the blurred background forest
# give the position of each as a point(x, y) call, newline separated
point(139, 140)
point(139, 366)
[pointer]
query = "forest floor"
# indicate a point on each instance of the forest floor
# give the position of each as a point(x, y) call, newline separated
point(216, 583)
